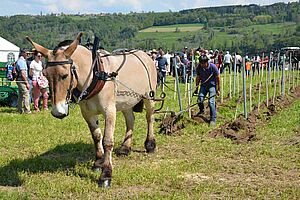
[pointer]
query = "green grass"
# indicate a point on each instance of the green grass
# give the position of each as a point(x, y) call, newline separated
point(167, 37)
point(275, 28)
point(47, 158)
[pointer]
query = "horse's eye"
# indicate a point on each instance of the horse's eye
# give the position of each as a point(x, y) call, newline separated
point(64, 77)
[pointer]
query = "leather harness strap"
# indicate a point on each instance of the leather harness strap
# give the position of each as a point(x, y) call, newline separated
point(99, 79)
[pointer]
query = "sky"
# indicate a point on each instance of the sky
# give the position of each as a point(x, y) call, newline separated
point(36, 7)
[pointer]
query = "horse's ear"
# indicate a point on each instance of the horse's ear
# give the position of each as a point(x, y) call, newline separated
point(70, 50)
point(39, 48)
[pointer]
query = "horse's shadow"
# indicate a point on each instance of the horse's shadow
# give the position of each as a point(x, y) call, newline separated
point(62, 157)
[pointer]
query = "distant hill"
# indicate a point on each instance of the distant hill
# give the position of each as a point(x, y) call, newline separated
point(126, 30)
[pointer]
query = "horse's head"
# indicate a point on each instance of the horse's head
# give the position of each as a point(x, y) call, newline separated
point(60, 74)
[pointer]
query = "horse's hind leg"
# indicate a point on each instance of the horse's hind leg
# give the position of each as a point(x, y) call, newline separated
point(93, 124)
point(126, 145)
point(150, 143)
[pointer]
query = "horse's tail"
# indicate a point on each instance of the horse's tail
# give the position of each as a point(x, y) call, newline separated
point(139, 106)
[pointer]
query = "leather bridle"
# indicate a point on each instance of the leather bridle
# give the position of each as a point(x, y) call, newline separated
point(72, 71)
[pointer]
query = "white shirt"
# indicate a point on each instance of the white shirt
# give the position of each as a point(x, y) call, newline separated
point(168, 57)
point(238, 59)
point(227, 58)
point(37, 68)
point(257, 59)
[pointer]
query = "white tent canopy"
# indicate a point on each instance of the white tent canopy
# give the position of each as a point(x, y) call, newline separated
point(7, 47)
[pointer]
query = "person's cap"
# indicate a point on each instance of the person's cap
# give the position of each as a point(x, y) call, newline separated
point(203, 58)
point(185, 47)
point(227, 52)
point(153, 51)
point(22, 51)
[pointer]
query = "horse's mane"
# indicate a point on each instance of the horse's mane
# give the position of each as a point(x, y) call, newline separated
point(62, 44)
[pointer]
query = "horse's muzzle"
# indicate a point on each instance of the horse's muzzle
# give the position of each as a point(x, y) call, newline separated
point(60, 110)
point(59, 116)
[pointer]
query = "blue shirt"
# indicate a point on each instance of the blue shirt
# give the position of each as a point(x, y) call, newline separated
point(208, 75)
point(161, 63)
point(22, 65)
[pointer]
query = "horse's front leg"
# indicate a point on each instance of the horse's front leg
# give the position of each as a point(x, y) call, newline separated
point(93, 124)
point(108, 142)
point(150, 144)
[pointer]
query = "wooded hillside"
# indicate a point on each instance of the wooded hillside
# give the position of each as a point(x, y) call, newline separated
point(119, 30)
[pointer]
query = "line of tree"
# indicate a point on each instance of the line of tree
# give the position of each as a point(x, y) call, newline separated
point(117, 30)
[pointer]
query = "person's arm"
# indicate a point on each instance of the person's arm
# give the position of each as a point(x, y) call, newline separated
point(197, 81)
point(30, 72)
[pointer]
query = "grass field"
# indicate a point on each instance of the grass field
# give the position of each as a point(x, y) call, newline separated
point(276, 28)
point(46, 158)
point(167, 37)
point(172, 28)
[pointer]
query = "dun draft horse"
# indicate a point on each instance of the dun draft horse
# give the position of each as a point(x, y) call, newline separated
point(127, 80)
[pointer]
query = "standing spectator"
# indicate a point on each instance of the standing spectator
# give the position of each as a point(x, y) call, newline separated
point(36, 68)
point(248, 66)
point(153, 54)
point(189, 64)
point(255, 66)
point(215, 58)
point(177, 65)
point(29, 59)
point(168, 56)
point(160, 52)
point(23, 84)
point(220, 60)
point(238, 60)
point(184, 61)
point(197, 56)
point(209, 76)
point(210, 56)
point(265, 63)
point(227, 62)
point(161, 67)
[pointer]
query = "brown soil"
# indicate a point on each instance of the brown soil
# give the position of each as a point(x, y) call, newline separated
point(171, 125)
point(243, 130)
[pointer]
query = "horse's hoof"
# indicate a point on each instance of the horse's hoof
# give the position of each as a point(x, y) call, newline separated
point(104, 183)
point(123, 151)
point(150, 145)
